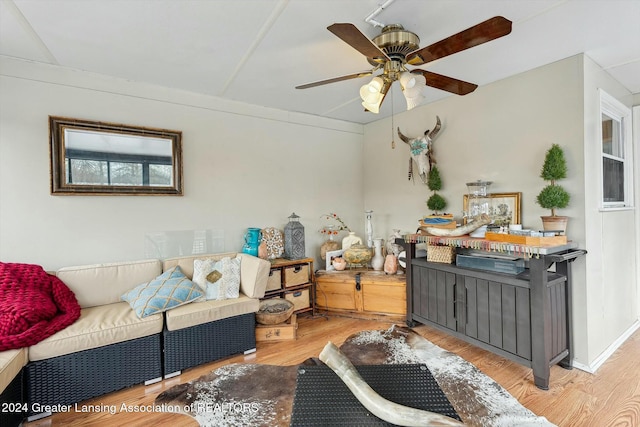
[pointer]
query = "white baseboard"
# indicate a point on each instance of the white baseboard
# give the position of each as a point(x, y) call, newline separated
point(599, 361)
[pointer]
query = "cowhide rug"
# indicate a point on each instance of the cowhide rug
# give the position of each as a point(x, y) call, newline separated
point(262, 395)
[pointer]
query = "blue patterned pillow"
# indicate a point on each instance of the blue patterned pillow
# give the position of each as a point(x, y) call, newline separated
point(169, 290)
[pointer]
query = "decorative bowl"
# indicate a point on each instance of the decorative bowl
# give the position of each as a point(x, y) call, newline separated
point(273, 311)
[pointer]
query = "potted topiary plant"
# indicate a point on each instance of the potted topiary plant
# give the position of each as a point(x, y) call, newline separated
point(436, 202)
point(554, 196)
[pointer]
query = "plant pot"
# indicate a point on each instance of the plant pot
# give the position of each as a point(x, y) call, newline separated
point(555, 223)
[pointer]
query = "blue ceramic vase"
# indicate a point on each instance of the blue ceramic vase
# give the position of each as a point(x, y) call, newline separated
point(252, 239)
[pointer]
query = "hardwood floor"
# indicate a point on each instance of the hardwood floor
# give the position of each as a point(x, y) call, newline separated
point(611, 397)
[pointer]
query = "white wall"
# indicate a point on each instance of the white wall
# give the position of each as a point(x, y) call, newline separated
point(244, 166)
point(500, 133)
point(612, 283)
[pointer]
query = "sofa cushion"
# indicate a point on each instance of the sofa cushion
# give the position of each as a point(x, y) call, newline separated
point(11, 362)
point(169, 290)
point(97, 327)
point(198, 313)
point(100, 284)
point(254, 271)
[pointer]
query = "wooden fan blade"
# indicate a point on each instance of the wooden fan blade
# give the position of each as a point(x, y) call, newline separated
point(488, 30)
point(449, 84)
point(335, 79)
point(352, 36)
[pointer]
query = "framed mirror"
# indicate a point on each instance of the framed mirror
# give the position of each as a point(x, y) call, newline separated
point(100, 158)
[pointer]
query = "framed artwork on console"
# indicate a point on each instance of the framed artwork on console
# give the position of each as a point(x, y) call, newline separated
point(504, 207)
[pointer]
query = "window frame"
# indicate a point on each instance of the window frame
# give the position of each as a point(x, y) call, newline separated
point(620, 113)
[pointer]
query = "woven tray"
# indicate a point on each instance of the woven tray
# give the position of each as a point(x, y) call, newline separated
point(441, 254)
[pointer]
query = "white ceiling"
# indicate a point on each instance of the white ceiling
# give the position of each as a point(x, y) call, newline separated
point(257, 51)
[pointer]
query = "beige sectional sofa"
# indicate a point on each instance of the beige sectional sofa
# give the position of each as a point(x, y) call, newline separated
point(12, 401)
point(109, 347)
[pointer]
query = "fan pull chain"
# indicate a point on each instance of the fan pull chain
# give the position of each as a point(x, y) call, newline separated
point(393, 141)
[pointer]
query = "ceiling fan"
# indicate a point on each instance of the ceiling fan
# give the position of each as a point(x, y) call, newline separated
point(395, 48)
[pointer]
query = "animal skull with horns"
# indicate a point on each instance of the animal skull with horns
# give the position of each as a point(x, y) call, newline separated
point(422, 151)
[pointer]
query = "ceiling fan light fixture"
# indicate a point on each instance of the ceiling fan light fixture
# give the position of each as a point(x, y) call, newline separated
point(412, 84)
point(414, 102)
point(373, 107)
point(407, 80)
point(376, 84)
point(370, 96)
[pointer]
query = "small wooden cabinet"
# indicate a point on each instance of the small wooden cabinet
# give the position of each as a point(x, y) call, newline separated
point(292, 280)
point(362, 293)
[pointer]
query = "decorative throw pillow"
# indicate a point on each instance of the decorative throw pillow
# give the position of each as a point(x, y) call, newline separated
point(169, 290)
point(220, 279)
point(202, 268)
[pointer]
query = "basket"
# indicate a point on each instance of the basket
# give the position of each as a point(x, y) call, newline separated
point(273, 311)
point(441, 254)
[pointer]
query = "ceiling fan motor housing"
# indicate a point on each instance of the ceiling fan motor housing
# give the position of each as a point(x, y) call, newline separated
point(397, 42)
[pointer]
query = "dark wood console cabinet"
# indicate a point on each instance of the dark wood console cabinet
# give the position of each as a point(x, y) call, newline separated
point(524, 317)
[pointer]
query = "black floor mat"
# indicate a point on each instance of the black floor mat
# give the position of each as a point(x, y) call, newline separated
point(322, 399)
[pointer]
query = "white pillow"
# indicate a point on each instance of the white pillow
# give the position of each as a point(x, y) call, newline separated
point(219, 279)
point(201, 268)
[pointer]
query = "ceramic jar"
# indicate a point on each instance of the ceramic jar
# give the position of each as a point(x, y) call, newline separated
point(357, 255)
point(328, 246)
point(350, 240)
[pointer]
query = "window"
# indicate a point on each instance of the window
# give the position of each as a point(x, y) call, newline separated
point(616, 152)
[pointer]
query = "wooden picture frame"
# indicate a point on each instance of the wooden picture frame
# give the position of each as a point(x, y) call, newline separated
point(505, 207)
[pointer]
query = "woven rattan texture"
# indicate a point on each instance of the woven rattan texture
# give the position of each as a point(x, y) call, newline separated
point(321, 398)
point(193, 346)
point(79, 376)
point(441, 254)
point(11, 407)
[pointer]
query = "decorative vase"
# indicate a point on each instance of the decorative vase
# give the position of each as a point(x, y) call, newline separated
point(350, 240)
point(328, 246)
point(369, 228)
point(555, 223)
point(252, 239)
point(377, 262)
point(391, 264)
point(357, 255)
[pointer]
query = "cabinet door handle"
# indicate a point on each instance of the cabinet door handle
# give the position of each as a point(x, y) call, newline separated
point(358, 287)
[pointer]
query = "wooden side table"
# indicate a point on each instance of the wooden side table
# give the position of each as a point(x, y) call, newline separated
point(362, 293)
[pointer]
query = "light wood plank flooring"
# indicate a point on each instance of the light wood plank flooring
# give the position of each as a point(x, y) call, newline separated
point(611, 397)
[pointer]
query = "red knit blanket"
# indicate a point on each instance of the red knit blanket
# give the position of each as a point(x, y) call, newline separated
point(33, 305)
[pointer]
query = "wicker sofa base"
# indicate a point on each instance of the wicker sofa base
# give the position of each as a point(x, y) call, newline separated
point(65, 380)
point(193, 346)
point(12, 406)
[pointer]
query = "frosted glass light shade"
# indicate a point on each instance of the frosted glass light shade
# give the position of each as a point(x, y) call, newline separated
point(412, 86)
